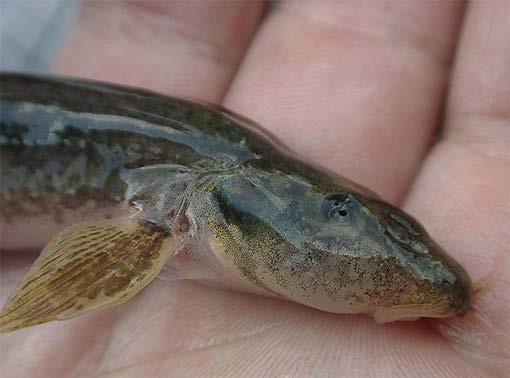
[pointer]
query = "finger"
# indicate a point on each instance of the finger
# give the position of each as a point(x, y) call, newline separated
point(462, 193)
point(172, 47)
point(466, 179)
point(354, 86)
point(479, 106)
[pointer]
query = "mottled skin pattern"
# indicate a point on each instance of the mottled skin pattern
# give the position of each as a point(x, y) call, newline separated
point(214, 179)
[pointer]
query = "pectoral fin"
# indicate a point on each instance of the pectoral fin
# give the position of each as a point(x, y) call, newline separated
point(86, 267)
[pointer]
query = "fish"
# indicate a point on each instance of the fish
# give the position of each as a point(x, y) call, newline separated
point(122, 185)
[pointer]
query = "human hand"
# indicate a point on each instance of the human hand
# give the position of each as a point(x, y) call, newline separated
point(357, 88)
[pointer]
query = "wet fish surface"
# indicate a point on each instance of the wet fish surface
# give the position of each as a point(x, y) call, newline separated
point(130, 185)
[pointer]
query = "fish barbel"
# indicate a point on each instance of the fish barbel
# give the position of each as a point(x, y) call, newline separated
point(123, 185)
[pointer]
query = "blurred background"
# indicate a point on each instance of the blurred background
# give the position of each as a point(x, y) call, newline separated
point(31, 32)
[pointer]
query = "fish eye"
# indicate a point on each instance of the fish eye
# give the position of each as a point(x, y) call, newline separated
point(338, 214)
point(336, 207)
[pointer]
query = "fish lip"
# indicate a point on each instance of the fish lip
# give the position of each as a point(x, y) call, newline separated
point(413, 311)
point(457, 305)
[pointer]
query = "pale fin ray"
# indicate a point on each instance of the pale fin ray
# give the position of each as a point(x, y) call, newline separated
point(87, 266)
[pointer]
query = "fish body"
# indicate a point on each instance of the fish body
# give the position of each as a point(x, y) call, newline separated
point(150, 185)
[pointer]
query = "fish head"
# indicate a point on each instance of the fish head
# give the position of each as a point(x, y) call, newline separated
point(333, 245)
point(398, 271)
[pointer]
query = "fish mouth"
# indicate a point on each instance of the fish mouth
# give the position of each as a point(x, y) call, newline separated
point(457, 301)
point(413, 312)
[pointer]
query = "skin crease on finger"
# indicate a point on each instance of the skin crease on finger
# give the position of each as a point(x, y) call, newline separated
point(188, 329)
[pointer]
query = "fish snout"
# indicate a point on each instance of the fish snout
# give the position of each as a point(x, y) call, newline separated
point(460, 295)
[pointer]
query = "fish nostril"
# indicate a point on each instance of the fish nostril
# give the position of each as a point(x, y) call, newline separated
point(405, 224)
point(395, 235)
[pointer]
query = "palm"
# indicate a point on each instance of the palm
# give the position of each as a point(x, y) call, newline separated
point(359, 90)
